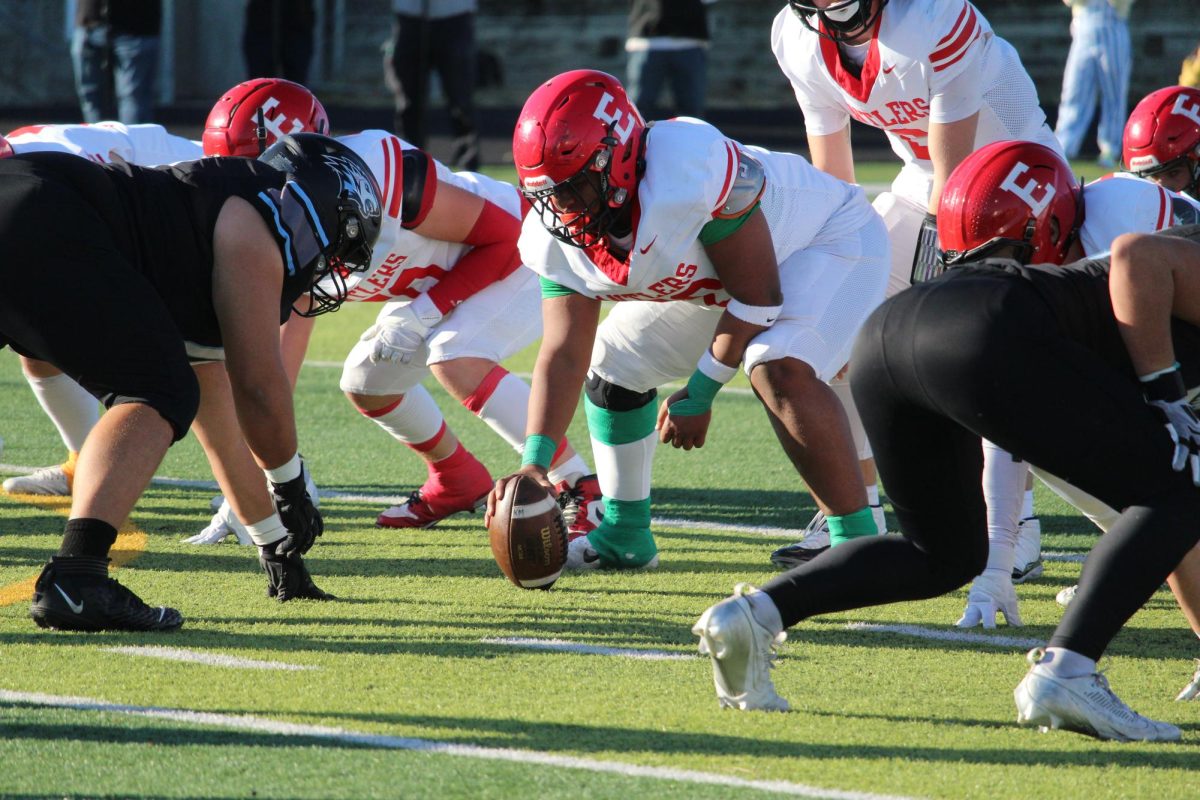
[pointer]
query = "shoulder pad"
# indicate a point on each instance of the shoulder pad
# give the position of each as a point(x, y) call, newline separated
point(748, 186)
point(420, 186)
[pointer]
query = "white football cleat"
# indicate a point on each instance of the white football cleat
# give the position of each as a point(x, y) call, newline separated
point(1084, 705)
point(1192, 690)
point(581, 555)
point(742, 652)
point(224, 523)
point(1027, 554)
point(1065, 596)
point(45, 481)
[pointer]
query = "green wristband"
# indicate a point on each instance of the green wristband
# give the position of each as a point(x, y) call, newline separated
point(539, 450)
point(701, 391)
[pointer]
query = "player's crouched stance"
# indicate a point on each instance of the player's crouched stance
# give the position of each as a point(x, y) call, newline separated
point(746, 256)
point(1115, 336)
point(165, 267)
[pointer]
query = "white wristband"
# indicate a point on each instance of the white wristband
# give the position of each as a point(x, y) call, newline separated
point(763, 316)
point(267, 531)
point(425, 310)
point(285, 472)
point(721, 373)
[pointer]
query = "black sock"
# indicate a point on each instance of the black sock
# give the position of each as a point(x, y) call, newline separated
point(90, 538)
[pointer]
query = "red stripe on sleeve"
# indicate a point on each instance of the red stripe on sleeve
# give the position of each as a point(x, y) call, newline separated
point(958, 57)
point(730, 171)
point(964, 38)
point(397, 179)
point(954, 28)
point(1164, 210)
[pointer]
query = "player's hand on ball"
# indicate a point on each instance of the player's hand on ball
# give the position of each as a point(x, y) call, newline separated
point(532, 470)
point(682, 430)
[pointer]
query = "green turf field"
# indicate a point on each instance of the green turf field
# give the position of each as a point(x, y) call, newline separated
point(432, 676)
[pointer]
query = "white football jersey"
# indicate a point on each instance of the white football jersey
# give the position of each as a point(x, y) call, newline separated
point(1124, 203)
point(918, 49)
point(144, 145)
point(690, 170)
point(404, 263)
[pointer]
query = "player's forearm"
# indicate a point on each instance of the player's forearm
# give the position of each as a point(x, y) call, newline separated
point(555, 386)
point(267, 420)
point(475, 271)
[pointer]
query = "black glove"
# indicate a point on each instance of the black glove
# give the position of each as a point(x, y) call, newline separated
point(1167, 396)
point(287, 577)
point(299, 515)
point(927, 260)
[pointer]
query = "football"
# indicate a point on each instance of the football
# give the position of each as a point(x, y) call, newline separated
point(528, 534)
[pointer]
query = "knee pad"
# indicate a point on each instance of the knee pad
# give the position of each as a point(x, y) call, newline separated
point(611, 397)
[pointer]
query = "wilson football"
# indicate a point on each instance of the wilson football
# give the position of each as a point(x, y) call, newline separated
point(528, 534)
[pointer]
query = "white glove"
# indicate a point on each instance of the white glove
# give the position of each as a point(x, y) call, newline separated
point(991, 593)
point(1184, 429)
point(1192, 690)
point(399, 336)
point(223, 523)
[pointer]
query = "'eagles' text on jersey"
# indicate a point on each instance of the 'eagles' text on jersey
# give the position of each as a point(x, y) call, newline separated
point(690, 170)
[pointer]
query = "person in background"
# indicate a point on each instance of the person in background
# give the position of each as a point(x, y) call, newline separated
point(114, 52)
point(668, 43)
point(1098, 68)
point(278, 39)
point(435, 35)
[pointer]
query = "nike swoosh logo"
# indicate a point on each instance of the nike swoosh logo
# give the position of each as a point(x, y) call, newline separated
point(590, 555)
point(76, 607)
point(887, 70)
point(647, 247)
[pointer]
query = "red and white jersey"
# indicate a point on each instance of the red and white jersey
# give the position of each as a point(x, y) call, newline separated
point(690, 172)
point(927, 61)
point(1125, 203)
point(405, 264)
point(144, 145)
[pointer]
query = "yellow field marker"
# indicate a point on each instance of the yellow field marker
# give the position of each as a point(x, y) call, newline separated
point(131, 543)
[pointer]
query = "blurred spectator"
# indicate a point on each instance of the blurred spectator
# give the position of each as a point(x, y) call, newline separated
point(114, 51)
point(435, 35)
point(278, 39)
point(1098, 67)
point(668, 41)
point(1189, 71)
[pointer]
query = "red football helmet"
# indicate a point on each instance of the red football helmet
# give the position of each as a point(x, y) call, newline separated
point(6, 149)
point(1018, 194)
point(577, 148)
point(253, 115)
point(1162, 134)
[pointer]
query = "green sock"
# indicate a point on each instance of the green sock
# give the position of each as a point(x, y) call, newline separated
point(623, 539)
point(852, 526)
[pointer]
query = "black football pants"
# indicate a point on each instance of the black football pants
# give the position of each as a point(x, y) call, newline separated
point(944, 364)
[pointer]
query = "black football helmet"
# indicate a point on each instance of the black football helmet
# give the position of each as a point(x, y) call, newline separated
point(333, 207)
point(841, 20)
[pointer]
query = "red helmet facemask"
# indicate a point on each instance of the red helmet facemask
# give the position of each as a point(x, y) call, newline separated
point(255, 114)
point(577, 148)
point(1163, 133)
point(1018, 195)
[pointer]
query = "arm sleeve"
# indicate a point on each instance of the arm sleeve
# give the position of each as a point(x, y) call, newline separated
point(722, 228)
point(552, 289)
point(493, 257)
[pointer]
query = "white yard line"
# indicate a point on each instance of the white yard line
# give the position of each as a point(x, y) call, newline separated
point(946, 635)
point(210, 659)
point(563, 646)
point(257, 724)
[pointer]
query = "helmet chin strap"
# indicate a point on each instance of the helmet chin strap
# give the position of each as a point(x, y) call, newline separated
point(260, 130)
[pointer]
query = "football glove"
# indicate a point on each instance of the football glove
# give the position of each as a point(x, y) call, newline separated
point(299, 515)
point(991, 593)
point(399, 336)
point(287, 576)
point(1166, 395)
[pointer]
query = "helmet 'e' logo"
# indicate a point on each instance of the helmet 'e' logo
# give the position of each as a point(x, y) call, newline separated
point(614, 117)
point(1184, 109)
point(1025, 191)
point(276, 124)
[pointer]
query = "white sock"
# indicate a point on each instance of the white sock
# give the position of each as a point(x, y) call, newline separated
point(765, 612)
point(872, 494)
point(414, 420)
point(72, 410)
point(569, 471)
point(624, 469)
point(505, 410)
point(1064, 663)
point(1027, 505)
point(1003, 484)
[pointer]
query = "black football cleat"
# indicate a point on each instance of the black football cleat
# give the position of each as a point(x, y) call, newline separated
point(76, 594)
point(288, 578)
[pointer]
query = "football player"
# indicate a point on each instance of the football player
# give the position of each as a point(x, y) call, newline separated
point(718, 255)
point(452, 302)
point(937, 80)
point(199, 261)
point(1121, 332)
point(1162, 139)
